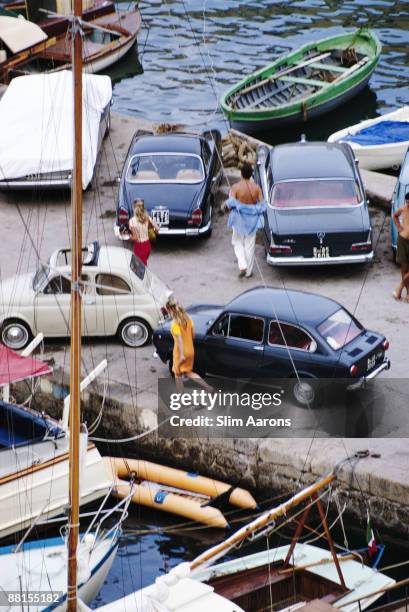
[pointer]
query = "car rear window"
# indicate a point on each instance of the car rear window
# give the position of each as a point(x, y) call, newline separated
point(169, 168)
point(283, 334)
point(333, 192)
point(339, 329)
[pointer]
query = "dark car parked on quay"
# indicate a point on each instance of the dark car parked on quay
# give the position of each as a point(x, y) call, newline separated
point(177, 175)
point(317, 212)
point(269, 333)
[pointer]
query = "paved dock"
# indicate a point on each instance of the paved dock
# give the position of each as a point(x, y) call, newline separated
point(199, 271)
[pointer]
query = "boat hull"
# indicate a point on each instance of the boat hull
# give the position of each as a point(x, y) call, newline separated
point(34, 482)
point(274, 121)
point(380, 156)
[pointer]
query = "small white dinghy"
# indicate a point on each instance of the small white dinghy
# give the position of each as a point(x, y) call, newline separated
point(380, 142)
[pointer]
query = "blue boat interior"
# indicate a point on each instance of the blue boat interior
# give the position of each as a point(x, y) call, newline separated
point(19, 426)
point(384, 132)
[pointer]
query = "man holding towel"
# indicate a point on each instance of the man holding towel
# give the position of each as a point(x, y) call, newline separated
point(246, 217)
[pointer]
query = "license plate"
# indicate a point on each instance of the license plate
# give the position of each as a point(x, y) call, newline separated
point(371, 362)
point(160, 216)
point(320, 252)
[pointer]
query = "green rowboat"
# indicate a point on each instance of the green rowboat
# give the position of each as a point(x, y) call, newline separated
point(303, 84)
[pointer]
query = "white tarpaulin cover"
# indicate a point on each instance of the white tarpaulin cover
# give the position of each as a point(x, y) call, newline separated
point(36, 124)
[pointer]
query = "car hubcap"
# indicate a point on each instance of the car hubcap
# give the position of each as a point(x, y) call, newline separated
point(135, 333)
point(15, 336)
point(303, 392)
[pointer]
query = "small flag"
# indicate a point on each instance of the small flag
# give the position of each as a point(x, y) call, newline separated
point(370, 538)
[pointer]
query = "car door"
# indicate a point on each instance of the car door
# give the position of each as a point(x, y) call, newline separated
point(113, 299)
point(234, 346)
point(291, 350)
point(52, 307)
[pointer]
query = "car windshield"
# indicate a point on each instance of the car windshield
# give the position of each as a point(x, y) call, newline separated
point(300, 194)
point(166, 168)
point(40, 276)
point(339, 329)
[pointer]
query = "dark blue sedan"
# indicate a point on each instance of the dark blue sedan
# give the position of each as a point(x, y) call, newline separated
point(177, 175)
point(269, 333)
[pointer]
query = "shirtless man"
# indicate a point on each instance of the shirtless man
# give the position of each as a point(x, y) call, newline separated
point(401, 220)
point(246, 191)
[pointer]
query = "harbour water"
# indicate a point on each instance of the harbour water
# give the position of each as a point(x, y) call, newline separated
point(189, 51)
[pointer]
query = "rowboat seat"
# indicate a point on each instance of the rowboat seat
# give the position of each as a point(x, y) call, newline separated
point(304, 81)
point(147, 175)
point(186, 174)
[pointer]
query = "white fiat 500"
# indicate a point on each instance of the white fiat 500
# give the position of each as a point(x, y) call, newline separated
point(119, 296)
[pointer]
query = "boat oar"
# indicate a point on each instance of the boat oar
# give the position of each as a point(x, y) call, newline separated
point(277, 75)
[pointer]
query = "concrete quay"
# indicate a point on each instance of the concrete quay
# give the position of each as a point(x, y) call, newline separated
point(199, 271)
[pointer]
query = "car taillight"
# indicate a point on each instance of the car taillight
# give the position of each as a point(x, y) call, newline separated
point(361, 246)
point(353, 370)
point(385, 345)
point(196, 218)
point(280, 249)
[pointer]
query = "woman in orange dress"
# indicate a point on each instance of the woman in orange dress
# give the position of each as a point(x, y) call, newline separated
point(183, 334)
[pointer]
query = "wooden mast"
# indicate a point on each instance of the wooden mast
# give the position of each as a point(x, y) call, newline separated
point(261, 521)
point(75, 354)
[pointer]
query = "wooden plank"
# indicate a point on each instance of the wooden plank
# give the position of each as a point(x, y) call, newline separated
point(302, 81)
point(349, 71)
point(329, 67)
point(278, 75)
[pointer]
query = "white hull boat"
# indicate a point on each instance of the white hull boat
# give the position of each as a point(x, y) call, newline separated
point(34, 452)
point(381, 153)
point(34, 482)
point(285, 579)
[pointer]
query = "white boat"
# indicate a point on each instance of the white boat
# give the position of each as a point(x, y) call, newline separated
point(35, 578)
point(380, 142)
point(34, 448)
point(285, 578)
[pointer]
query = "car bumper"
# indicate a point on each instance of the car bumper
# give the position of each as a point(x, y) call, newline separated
point(319, 261)
point(385, 365)
point(165, 231)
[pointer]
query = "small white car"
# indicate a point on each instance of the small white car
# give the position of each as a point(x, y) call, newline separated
point(119, 296)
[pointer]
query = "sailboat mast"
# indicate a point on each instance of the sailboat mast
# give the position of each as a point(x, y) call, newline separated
point(75, 354)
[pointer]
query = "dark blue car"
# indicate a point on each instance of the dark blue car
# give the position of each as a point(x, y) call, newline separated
point(177, 175)
point(269, 333)
point(317, 211)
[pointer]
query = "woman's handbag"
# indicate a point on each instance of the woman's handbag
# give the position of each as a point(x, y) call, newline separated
point(151, 232)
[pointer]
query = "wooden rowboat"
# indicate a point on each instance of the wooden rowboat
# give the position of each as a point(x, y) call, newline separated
point(303, 84)
point(107, 39)
point(380, 142)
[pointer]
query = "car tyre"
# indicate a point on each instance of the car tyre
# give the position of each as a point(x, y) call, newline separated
point(134, 332)
point(15, 334)
point(307, 392)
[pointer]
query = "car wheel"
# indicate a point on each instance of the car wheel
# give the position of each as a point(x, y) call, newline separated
point(108, 125)
point(15, 334)
point(134, 332)
point(306, 393)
